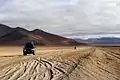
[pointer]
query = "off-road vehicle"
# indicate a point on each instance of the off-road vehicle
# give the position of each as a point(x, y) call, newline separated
point(29, 48)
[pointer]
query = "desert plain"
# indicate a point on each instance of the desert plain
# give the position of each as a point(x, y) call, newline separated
point(60, 63)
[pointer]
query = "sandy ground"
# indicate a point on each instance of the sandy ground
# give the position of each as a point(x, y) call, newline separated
point(60, 63)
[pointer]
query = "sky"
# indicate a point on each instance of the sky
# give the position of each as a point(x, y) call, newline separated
point(63, 17)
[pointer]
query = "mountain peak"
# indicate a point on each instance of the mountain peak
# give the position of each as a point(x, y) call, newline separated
point(37, 30)
point(4, 26)
point(20, 29)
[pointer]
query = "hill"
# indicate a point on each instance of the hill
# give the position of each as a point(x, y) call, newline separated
point(19, 36)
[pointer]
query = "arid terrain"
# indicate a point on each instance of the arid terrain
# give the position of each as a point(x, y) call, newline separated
point(60, 63)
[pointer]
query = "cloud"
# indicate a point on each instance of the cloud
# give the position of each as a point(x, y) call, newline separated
point(71, 17)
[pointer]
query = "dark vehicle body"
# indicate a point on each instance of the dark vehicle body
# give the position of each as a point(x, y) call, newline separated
point(29, 48)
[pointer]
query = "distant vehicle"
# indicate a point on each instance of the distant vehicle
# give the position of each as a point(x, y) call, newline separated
point(29, 48)
point(75, 47)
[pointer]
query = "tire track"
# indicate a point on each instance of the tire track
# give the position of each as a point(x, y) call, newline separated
point(38, 69)
point(96, 64)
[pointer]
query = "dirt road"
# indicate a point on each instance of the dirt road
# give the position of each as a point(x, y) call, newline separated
point(88, 63)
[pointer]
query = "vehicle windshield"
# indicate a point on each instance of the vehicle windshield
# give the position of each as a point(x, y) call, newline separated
point(29, 45)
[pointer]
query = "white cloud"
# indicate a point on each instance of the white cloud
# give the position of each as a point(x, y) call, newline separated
point(70, 17)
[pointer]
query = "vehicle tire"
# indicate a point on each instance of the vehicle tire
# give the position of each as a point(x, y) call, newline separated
point(24, 53)
point(33, 53)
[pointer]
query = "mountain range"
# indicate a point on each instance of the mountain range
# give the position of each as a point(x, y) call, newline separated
point(102, 41)
point(19, 36)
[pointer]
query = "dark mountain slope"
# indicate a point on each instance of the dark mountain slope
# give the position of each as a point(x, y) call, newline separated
point(19, 36)
point(5, 30)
